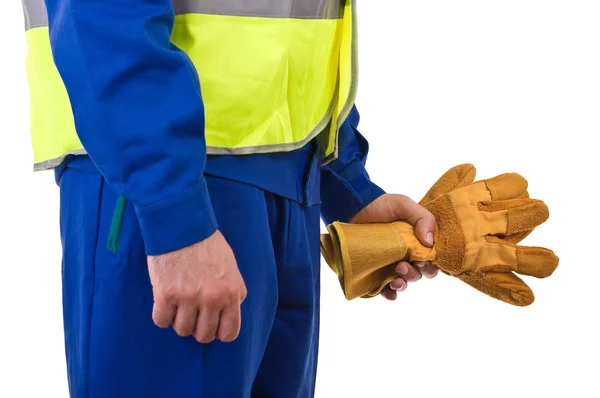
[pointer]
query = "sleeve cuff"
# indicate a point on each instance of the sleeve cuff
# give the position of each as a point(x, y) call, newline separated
point(178, 221)
point(346, 193)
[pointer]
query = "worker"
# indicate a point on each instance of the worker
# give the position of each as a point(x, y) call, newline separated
point(197, 144)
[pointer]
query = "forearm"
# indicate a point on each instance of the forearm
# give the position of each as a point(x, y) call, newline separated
point(138, 111)
point(346, 187)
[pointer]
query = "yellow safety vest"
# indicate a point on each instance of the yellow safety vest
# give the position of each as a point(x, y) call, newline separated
point(274, 75)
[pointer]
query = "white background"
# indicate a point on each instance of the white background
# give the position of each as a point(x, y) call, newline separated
point(505, 85)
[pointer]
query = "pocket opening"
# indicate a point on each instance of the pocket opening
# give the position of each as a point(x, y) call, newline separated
point(114, 235)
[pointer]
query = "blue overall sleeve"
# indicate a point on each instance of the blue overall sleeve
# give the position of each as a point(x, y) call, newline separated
point(138, 111)
point(345, 184)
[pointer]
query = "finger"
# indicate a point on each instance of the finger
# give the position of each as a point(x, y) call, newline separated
point(516, 237)
point(408, 272)
point(428, 270)
point(398, 285)
point(420, 218)
point(457, 177)
point(538, 262)
point(163, 313)
point(524, 195)
point(205, 329)
point(515, 215)
point(185, 320)
point(504, 286)
point(229, 324)
point(389, 294)
point(506, 186)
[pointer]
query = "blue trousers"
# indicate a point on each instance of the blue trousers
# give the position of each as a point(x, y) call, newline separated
point(113, 348)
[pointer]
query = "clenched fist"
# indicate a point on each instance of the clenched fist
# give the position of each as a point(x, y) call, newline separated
point(198, 290)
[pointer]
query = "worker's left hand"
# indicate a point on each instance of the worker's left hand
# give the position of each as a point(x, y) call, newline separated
point(389, 208)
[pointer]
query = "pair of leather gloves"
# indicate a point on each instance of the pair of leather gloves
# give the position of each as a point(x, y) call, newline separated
point(479, 225)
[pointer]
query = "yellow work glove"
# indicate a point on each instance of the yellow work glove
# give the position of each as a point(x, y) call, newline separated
point(478, 226)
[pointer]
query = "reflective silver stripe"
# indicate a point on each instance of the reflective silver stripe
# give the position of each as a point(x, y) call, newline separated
point(215, 150)
point(352, 94)
point(211, 150)
point(307, 9)
point(249, 150)
point(52, 163)
point(35, 14)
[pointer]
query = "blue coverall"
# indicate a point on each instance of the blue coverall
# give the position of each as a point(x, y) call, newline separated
point(139, 114)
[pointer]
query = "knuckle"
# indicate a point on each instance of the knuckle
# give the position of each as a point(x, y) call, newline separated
point(182, 332)
point(170, 295)
point(189, 297)
point(210, 297)
point(227, 339)
point(426, 216)
point(232, 293)
point(402, 269)
point(204, 338)
point(413, 275)
point(160, 322)
point(228, 336)
point(433, 274)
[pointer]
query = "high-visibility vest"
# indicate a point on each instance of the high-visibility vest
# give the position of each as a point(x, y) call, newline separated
point(247, 55)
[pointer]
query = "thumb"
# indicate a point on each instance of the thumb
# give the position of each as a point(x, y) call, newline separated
point(417, 216)
point(424, 229)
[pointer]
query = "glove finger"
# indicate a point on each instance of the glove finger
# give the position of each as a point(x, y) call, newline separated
point(506, 186)
point(515, 215)
point(516, 237)
point(457, 177)
point(538, 262)
point(504, 286)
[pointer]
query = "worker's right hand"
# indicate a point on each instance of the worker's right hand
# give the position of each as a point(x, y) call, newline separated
point(198, 290)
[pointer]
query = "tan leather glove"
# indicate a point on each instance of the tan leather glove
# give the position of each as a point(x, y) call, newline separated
point(478, 226)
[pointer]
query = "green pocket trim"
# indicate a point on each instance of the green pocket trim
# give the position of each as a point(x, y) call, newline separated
point(114, 236)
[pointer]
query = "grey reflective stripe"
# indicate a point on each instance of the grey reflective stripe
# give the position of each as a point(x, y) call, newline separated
point(290, 146)
point(211, 150)
point(309, 9)
point(354, 83)
point(52, 163)
point(249, 150)
point(215, 150)
point(35, 14)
